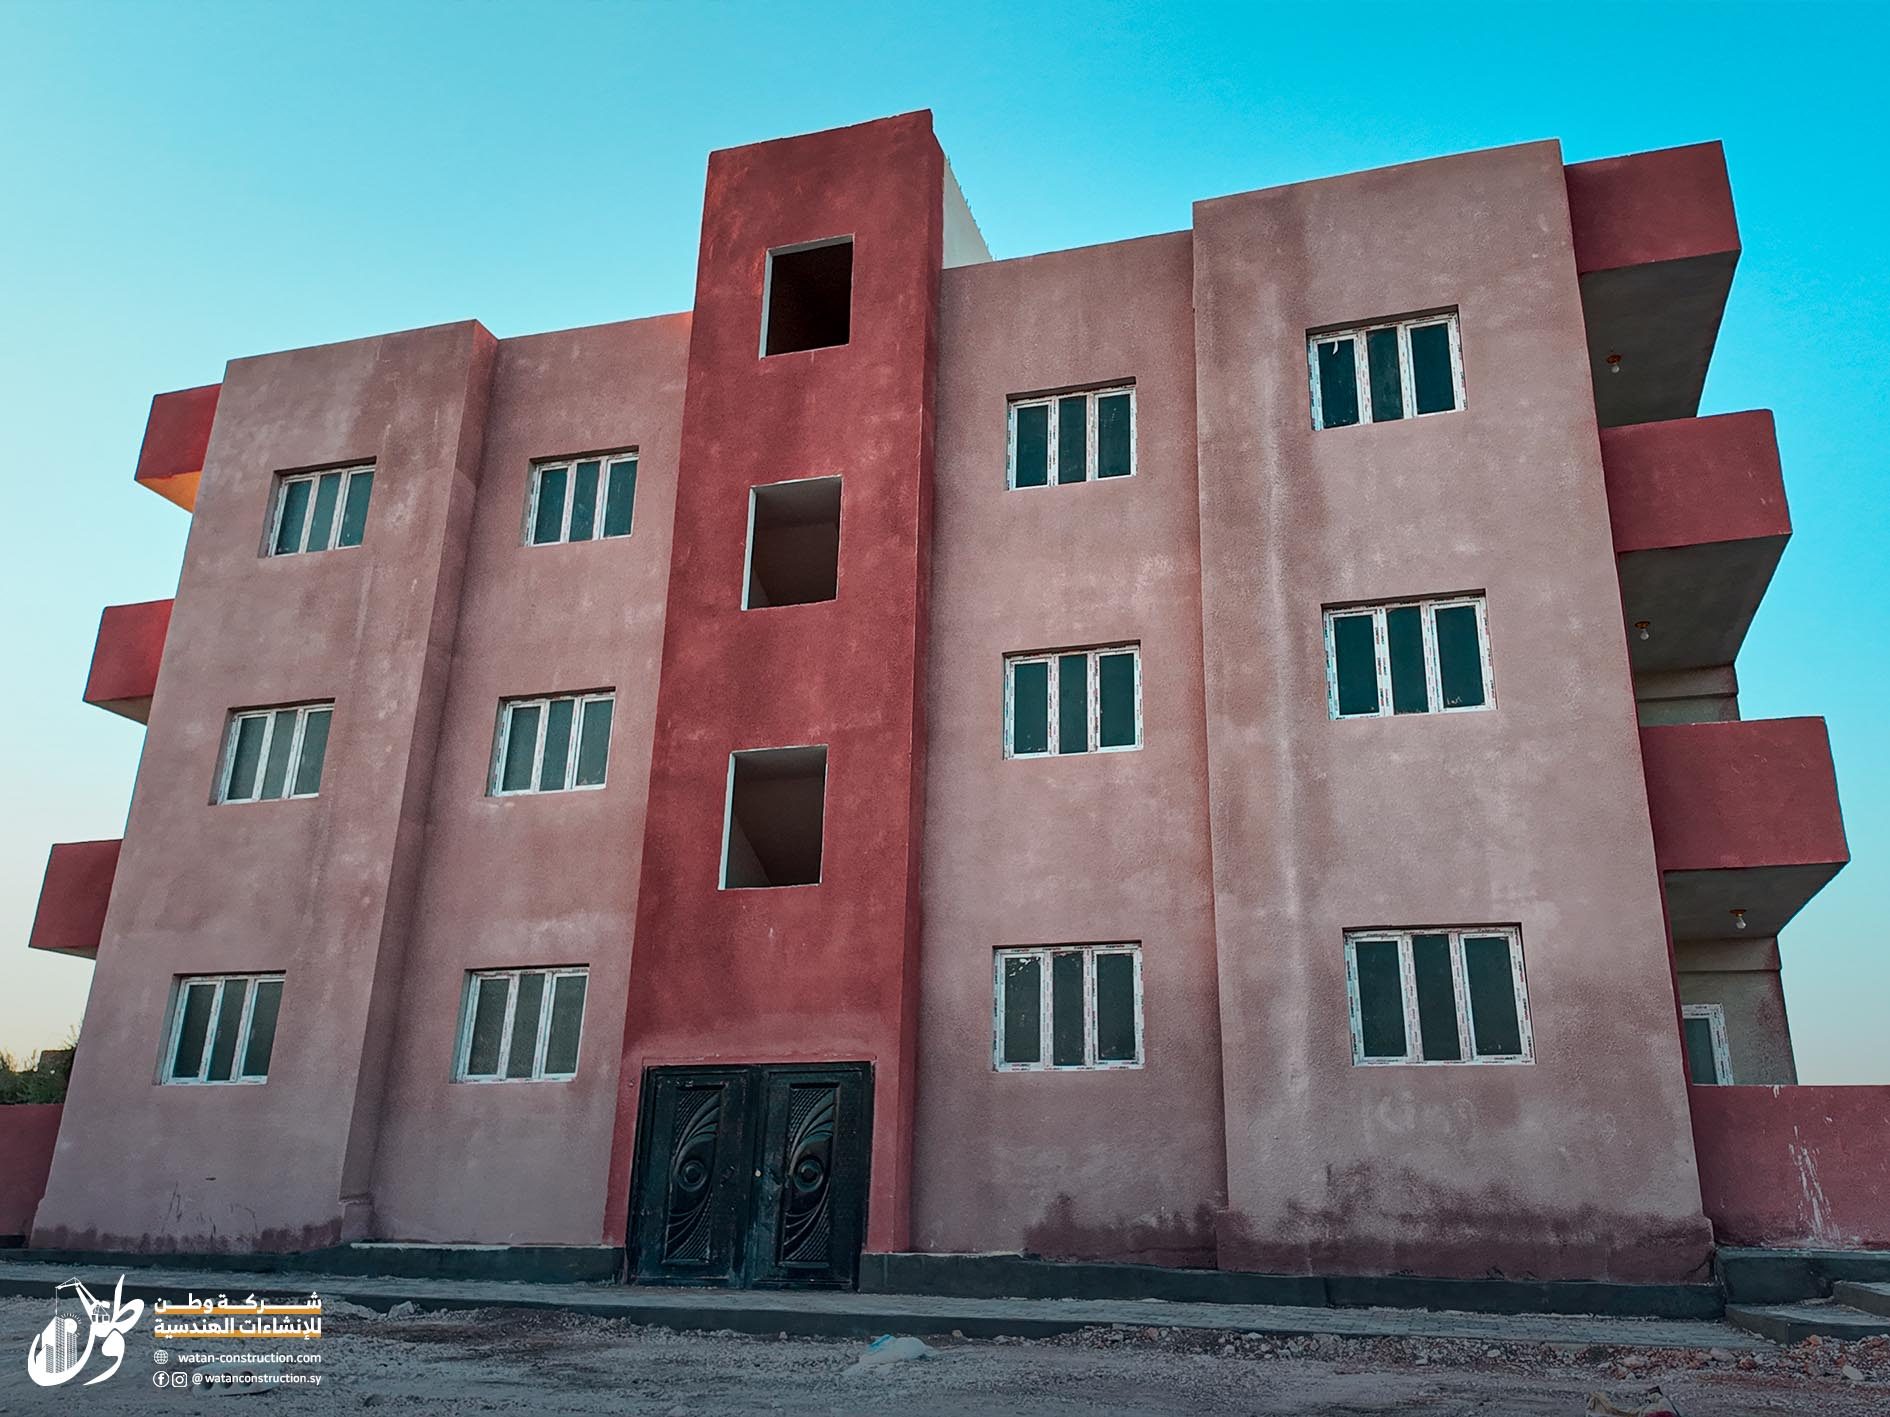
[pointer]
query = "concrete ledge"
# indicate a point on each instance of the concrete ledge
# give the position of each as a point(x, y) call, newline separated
point(1020, 1277)
point(1794, 1323)
point(806, 1313)
point(1754, 1276)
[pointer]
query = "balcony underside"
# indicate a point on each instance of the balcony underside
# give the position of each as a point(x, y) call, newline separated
point(74, 896)
point(126, 656)
point(1700, 904)
point(1698, 601)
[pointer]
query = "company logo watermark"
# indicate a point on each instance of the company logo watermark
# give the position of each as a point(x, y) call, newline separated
point(55, 1356)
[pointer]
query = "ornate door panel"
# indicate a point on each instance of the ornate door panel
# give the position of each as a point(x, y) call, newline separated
point(752, 1175)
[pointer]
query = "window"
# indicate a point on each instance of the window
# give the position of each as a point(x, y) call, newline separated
point(1437, 996)
point(1072, 437)
point(223, 1028)
point(1073, 701)
point(1069, 1007)
point(1709, 1061)
point(807, 299)
point(552, 745)
point(517, 1025)
point(1422, 656)
point(305, 512)
point(581, 499)
point(1398, 369)
point(793, 543)
point(271, 753)
point(777, 802)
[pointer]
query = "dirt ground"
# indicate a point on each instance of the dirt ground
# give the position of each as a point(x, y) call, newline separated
point(534, 1361)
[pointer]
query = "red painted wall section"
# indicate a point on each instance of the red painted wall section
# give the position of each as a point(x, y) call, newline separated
point(1654, 206)
point(125, 657)
point(73, 897)
point(806, 972)
point(27, 1133)
point(176, 439)
point(1761, 792)
point(1795, 1166)
point(1689, 481)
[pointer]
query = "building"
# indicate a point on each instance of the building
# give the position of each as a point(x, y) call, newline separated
point(1218, 749)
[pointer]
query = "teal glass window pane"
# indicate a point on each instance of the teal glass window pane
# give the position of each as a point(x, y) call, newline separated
point(1404, 643)
point(1338, 382)
point(198, 1000)
point(1066, 1010)
point(308, 767)
point(488, 1030)
point(1355, 663)
point(354, 510)
point(521, 747)
point(1032, 467)
point(1380, 998)
point(262, 1029)
point(321, 522)
point(1023, 1004)
point(1115, 1008)
point(548, 524)
point(594, 743)
point(567, 1022)
point(1115, 688)
point(584, 500)
point(1115, 433)
point(229, 1024)
point(1072, 439)
point(1432, 388)
point(294, 516)
point(1381, 367)
point(1030, 707)
point(559, 716)
point(523, 1055)
point(620, 497)
point(1702, 1066)
point(246, 759)
point(1495, 1029)
point(1436, 998)
point(275, 777)
point(1073, 703)
point(1459, 657)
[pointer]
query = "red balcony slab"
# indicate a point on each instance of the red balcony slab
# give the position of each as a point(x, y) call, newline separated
point(176, 437)
point(73, 897)
point(1795, 1167)
point(1745, 818)
point(1655, 246)
point(125, 657)
point(1700, 521)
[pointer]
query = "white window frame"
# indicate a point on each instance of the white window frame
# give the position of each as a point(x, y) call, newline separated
point(1381, 655)
point(1361, 371)
point(502, 736)
point(462, 1054)
point(1715, 1016)
point(606, 461)
point(1043, 954)
point(287, 479)
point(1052, 401)
point(180, 992)
point(1093, 691)
point(268, 716)
point(1460, 989)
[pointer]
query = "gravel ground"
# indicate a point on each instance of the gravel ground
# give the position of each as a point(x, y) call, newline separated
point(537, 1361)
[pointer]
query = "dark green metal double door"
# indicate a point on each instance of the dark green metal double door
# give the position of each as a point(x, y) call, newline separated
point(752, 1176)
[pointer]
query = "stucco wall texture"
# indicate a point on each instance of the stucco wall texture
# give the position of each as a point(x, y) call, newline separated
point(1236, 845)
point(1533, 814)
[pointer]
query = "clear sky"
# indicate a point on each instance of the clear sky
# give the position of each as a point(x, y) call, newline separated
point(183, 183)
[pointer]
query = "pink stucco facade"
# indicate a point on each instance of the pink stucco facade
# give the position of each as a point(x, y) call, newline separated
point(1235, 846)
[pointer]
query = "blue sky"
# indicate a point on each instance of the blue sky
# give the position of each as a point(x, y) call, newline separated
point(185, 183)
